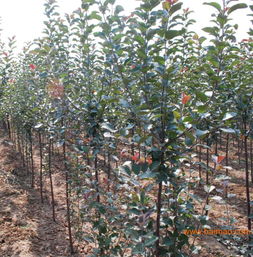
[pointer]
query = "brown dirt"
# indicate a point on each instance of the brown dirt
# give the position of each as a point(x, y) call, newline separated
point(26, 225)
point(27, 228)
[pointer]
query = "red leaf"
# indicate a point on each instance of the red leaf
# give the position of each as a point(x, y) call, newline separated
point(123, 153)
point(171, 1)
point(184, 69)
point(32, 66)
point(149, 160)
point(220, 158)
point(185, 98)
point(135, 157)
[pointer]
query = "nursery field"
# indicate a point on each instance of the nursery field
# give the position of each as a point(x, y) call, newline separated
point(27, 228)
point(128, 135)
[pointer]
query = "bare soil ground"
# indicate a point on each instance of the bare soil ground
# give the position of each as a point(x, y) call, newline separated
point(26, 225)
point(27, 228)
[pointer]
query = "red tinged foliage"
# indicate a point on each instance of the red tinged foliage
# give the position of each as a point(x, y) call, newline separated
point(128, 17)
point(171, 1)
point(149, 160)
point(221, 158)
point(124, 153)
point(87, 140)
point(32, 66)
point(12, 81)
point(135, 157)
point(247, 40)
point(218, 158)
point(55, 88)
point(184, 69)
point(185, 98)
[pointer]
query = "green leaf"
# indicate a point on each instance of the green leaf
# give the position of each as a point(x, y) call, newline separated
point(39, 125)
point(139, 39)
point(88, 239)
point(124, 103)
point(176, 114)
point(141, 53)
point(43, 74)
point(110, 1)
point(136, 168)
point(188, 141)
point(148, 174)
point(229, 115)
point(170, 34)
point(155, 165)
point(109, 127)
point(201, 96)
point(159, 60)
point(209, 93)
point(168, 241)
point(208, 188)
point(228, 130)
point(126, 168)
point(215, 5)
point(175, 8)
point(108, 134)
point(151, 241)
point(236, 7)
point(118, 9)
point(95, 16)
point(211, 30)
point(202, 108)
point(135, 198)
point(200, 133)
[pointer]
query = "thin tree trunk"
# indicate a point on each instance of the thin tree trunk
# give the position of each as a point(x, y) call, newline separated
point(216, 150)
point(227, 150)
point(41, 168)
point(158, 218)
point(239, 150)
point(251, 159)
point(22, 150)
point(132, 145)
point(67, 199)
point(109, 172)
point(200, 159)
point(247, 176)
point(32, 165)
point(97, 179)
point(50, 177)
point(8, 127)
point(207, 175)
point(26, 157)
point(19, 144)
